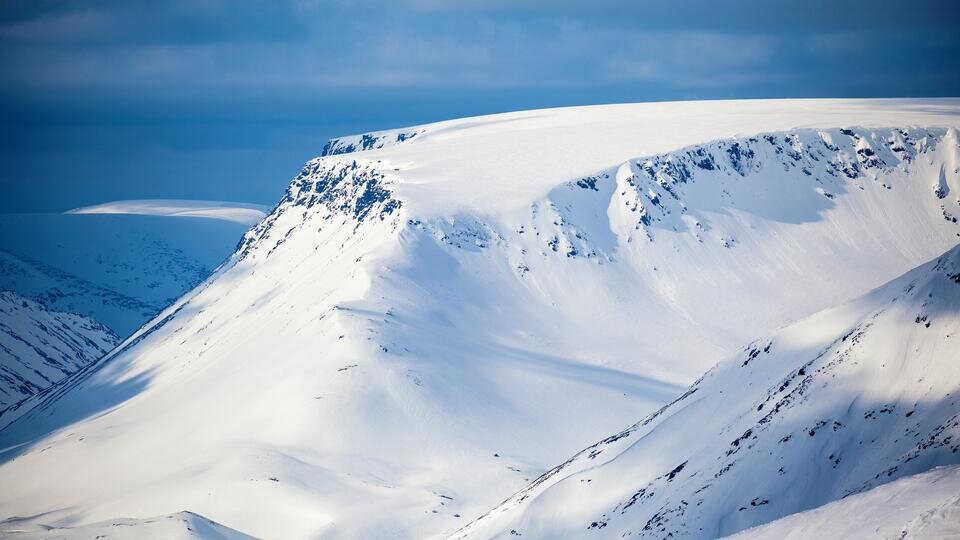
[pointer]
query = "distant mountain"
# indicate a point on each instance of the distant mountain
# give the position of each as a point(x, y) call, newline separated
point(427, 323)
point(40, 347)
point(834, 405)
point(117, 269)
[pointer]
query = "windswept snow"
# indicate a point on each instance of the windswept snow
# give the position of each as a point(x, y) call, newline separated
point(243, 213)
point(922, 506)
point(425, 324)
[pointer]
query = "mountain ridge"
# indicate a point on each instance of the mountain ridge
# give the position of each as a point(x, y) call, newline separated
point(832, 348)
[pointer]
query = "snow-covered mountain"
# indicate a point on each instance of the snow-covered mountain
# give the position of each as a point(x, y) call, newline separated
point(114, 266)
point(40, 347)
point(432, 317)
point(833, 405)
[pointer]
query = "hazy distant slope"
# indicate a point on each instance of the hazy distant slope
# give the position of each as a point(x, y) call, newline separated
point(420, 329)
point(836, 404)
point(39, 347)
point(120, 270)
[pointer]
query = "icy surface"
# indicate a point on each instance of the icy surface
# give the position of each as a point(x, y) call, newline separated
point(423, 327)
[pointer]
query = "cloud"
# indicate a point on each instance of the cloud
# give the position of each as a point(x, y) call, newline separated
point(245, 213)
point(692, 59)
point(68, 27)
point(831, 42)
point(622, 69)
point(255, 49)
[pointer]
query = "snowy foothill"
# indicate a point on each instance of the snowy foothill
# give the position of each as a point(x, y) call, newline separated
point(925, 505)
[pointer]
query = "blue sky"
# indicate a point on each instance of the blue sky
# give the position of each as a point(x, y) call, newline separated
point(225, 99)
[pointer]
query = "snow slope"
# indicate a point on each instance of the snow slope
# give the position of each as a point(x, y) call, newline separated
point(119, 270)
point(71, 283)
point(833, 405)
point(245, 214)
point(925, 505)
point(171, 527)
point(421, 328)
point(38, 347)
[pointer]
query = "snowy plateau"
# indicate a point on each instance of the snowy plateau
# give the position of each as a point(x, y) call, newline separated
point(753, 306)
